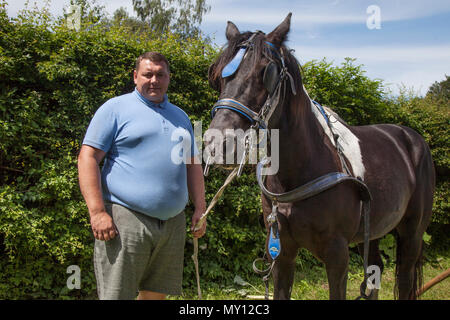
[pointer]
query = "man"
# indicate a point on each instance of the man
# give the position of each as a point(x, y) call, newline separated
point(136, 202)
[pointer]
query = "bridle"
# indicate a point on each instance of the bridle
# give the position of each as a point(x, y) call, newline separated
point(275, 76)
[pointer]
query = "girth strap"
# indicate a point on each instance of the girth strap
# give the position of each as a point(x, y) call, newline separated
point(311, 188)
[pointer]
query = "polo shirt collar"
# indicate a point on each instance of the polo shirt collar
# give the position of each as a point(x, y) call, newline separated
point(150, 103)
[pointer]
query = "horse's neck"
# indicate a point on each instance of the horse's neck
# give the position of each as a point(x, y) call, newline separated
point(303, 152)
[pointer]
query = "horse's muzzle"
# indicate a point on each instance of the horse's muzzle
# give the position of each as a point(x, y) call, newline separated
point(225, 153)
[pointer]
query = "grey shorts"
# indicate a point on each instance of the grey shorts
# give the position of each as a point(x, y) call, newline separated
point(147, 254)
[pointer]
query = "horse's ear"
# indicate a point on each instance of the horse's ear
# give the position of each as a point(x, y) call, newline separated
point(232, 31)
point(279, 35)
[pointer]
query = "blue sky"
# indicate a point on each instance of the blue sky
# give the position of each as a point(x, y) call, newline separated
point(411, 48)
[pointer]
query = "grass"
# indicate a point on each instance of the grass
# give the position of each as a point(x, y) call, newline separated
point(311, 283)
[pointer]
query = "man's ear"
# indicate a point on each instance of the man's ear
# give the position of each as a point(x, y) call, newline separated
point(135, 76)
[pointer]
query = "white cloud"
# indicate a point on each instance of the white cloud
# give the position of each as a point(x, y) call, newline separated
point(321, 12)
point(265, 17)
point(57, 6)
point(413, 67)
point(408, 54)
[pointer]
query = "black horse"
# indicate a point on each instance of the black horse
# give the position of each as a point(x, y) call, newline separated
point(260, 85)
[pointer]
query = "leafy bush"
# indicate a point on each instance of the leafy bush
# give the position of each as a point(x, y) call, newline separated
point(355, 97)
point(431, 118)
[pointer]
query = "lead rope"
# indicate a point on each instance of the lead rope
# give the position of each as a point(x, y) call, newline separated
point(264, 272)
point(202, 220)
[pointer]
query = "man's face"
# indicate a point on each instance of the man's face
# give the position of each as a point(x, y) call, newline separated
point(152, 80)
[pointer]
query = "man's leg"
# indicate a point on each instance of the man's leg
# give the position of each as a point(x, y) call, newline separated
point(164, 273)
point(120, 263)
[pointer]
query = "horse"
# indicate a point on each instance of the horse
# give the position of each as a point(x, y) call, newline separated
point(260, 86)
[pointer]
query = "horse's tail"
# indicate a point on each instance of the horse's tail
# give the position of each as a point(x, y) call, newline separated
point(418, 271)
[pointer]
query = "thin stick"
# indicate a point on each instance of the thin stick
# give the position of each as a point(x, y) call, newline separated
point(11, 169)
point(433, 282)
point(197, 275)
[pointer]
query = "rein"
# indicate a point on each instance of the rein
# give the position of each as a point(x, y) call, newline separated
point(202, 220)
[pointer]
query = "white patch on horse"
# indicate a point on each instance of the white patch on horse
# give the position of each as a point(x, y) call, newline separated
point(348, 141)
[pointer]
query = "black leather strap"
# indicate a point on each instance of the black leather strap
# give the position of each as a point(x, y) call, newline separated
point(311, 188)
point(239, 107)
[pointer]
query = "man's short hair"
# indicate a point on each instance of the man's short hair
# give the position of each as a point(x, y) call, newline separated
point(153, 57)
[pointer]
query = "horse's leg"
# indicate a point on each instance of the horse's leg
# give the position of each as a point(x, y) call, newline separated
point(415, 221)
point(283, 273)
point(409, 264)
point(410, 232)
point(374, 259)
point(336, 257)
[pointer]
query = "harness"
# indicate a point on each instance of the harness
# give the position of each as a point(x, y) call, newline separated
point(275, 78)
point(275, 75)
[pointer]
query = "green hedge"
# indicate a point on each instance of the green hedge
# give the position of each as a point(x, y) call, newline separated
point(355, 97)
point(53, 79)
point(431, 118)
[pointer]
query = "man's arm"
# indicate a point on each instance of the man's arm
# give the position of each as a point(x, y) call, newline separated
point(196, 188)
point(90, 185)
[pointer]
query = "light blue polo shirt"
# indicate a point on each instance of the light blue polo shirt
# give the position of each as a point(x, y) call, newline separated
point(145, 144)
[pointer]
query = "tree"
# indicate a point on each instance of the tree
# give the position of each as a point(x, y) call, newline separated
point(135, 25)
point(179, 16)
point(440, 90)
point(91, 10)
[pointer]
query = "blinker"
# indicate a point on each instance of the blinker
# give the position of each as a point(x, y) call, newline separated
point(234, 64)
point(271, 77)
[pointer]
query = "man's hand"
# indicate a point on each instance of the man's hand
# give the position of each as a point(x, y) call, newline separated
point(103, 226)
point(196, 187)
point(195, 218)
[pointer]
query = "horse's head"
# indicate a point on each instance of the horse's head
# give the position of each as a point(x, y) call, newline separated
point(254, 74)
